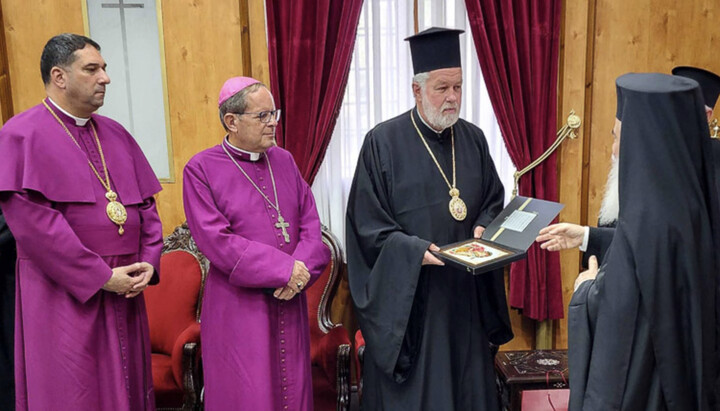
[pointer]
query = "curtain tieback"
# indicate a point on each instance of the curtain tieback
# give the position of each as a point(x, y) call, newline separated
point(567, 130)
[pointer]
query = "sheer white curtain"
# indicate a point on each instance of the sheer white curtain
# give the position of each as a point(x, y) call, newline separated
point(379, 88)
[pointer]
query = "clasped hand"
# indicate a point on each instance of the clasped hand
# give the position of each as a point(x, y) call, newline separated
point(130, 280)
point(298, 280)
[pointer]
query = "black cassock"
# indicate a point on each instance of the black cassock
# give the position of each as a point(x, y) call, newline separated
point(599, 240)
point(7, 316)
point(426, 327)
point(642, 335)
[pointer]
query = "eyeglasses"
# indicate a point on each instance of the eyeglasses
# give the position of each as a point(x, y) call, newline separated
point(265, 116)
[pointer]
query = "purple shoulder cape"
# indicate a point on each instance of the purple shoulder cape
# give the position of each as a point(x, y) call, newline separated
point(38, 156)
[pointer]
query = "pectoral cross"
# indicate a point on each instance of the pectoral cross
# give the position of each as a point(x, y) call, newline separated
point(281, 224)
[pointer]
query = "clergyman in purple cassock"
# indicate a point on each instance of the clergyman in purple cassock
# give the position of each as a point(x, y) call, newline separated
point(81, 332)
point(255, 335)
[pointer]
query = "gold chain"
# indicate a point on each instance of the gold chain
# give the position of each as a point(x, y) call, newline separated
point(115, 211)
point(106, 182)
point(452, 137)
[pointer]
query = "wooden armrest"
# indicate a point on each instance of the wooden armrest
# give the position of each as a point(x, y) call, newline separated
point(191, 376)
point(361, 361)
point(343, 377)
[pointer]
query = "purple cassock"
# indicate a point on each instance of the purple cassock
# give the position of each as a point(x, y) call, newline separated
point(77, 347)
point(256, 348)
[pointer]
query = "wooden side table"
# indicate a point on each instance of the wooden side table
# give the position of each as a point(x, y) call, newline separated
point(517, 371)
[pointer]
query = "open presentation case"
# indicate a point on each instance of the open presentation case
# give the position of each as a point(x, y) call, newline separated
point(505, 240)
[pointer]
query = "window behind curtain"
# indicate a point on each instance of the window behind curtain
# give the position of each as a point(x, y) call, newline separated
point(379, 88)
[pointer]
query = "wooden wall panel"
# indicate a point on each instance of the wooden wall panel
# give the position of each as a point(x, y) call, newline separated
point(620, 51)
point(202, 50)
point(643, 35)
point(258, 41)
point(6, 109)
point(28, 25)
point(575, 63)
point(621, 37)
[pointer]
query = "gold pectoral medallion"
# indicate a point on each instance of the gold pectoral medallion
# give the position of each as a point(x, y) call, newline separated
point(458, 209)
point(457, 206)
point(116, 211)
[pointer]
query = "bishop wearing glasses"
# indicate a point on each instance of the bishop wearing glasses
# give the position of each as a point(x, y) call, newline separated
point(254, 217)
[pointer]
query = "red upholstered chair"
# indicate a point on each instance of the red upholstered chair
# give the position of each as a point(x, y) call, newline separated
point(173, 308)
point(329, 342)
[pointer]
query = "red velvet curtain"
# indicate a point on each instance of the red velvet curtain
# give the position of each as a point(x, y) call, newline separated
point(517, 43)
point(310, 45)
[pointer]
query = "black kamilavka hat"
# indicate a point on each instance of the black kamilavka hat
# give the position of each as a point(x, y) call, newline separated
point(435, 48)
point(709, 82)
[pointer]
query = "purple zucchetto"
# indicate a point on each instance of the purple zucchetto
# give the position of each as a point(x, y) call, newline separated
point(233, 86)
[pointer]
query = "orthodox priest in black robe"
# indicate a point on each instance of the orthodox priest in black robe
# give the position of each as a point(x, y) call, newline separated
point(710, 87)
point(601, 236)
point(597, 239)
point(7, 316)
point(642, 334)
point(427, 327)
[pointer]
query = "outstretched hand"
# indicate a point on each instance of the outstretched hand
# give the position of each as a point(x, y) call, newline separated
point(562, 236)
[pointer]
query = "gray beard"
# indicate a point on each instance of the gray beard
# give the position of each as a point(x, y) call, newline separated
point(435, 117)
point(610, 207)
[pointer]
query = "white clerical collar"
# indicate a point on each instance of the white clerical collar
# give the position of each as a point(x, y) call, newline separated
point(79, 121)
point(426, 124)
point(253, 156)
